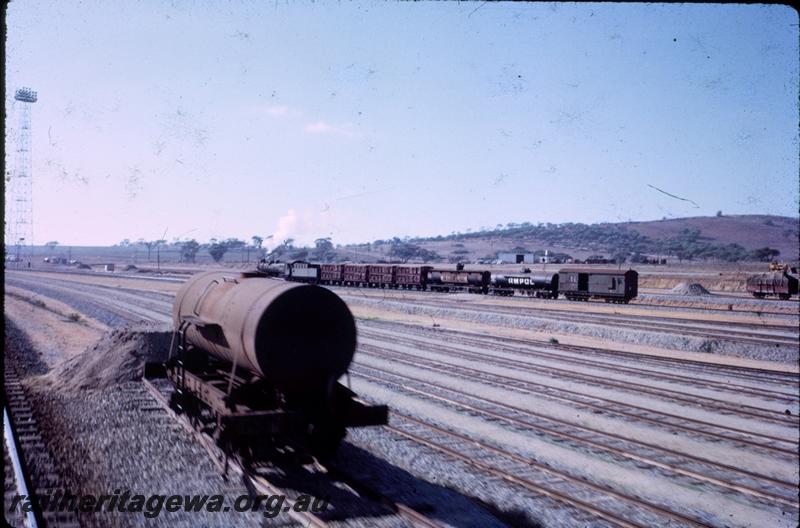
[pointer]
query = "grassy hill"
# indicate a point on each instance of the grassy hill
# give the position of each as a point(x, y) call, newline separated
point(730, 238)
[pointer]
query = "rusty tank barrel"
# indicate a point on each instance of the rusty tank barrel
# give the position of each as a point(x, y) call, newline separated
point(293, 335)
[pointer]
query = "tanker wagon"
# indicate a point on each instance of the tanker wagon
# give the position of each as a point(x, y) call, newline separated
point(260, 359)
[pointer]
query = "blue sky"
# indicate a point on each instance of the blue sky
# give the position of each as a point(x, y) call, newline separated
point(368, 120)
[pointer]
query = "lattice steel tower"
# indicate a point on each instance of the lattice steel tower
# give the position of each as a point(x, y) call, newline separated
point(19, 189)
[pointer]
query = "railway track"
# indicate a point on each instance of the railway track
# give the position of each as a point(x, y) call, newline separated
point(776, 376)
point(592, 501)
point(36, 472)
point(551, 304)
point(583, 357)
point(595, 404)
point(674, 463)
point(102, 304)
point(254, 474)
point(689, 399)
point(730, 331)
point(20, 479)
point(754, 336)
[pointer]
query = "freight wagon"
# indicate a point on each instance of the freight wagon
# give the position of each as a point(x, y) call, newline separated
point(354, 274)
point(774, 284)
point(381, 276)
point(609, 285)
point(331, 274)
point(412, 277)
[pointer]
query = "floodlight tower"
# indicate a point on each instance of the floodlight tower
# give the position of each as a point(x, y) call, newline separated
point(19, 221)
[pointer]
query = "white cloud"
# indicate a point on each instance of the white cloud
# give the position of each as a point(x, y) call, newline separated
point(321, 127)
point(278, 110)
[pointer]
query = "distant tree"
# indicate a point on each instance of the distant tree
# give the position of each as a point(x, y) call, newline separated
point(719, 214)
point(157, 244)
point(189, 250)
point(149, 245)
point(258, 245)
point(766, 254)
point(407, 251)
point(52, 244)
point(235, 243)
point(299, 254)
point(323, 250)
point(217, 250)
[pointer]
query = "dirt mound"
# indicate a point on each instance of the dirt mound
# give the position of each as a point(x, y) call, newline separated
point(684, 288)
point(130, 267)
point(117, 357)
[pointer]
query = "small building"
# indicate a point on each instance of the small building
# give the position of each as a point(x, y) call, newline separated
point(109, 267)
point(516, 258)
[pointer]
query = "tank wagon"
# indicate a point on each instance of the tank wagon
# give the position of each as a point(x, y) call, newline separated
point(610, 285)
point(459, 280)
point(773, 284)
point(260, 360)
point(533, 285)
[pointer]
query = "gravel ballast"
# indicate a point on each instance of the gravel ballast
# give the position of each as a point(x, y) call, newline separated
point(672, 341)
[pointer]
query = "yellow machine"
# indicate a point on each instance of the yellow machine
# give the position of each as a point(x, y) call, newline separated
point(774, 266)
